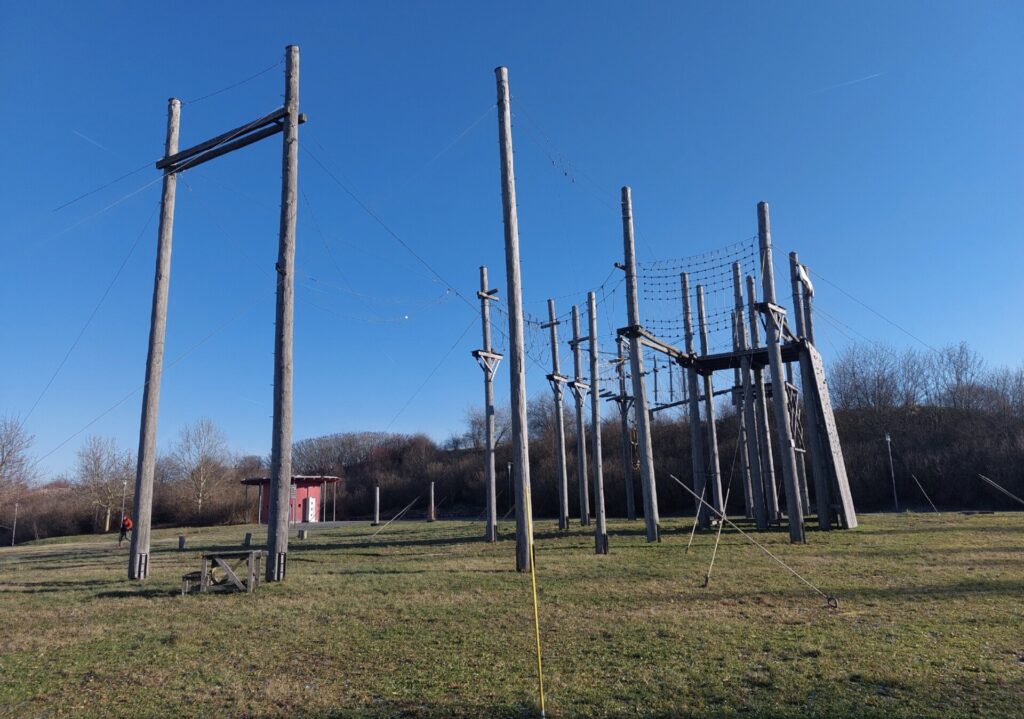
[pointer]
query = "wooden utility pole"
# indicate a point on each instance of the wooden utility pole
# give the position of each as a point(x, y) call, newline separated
point(750, 440)
point(741, 420)
point(138, 562)
point(488, 360)
point(557, 380)
point(813, 444)
point(625, 401)
point(517, 368)
point(774, 314)
point(636, 367)
point(579, 392)
point(281, 439)
point(771, 494)
point(431, 507)
point(700, 478)
point(714, 469)
point(376, 505)
point(601, 529)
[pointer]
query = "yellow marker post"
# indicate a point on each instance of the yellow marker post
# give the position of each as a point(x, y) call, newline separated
point(536, 613)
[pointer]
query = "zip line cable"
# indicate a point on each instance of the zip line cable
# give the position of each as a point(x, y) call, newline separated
point(174, 363)
point(387, 228)
point(725, 508)
point(149, 164)
point(832, 602)
point(874, 311)
point(924, 492)
point(264, 71)
point(92, 316)
point(400, 514)
point(1007, 493)
point(431, 375)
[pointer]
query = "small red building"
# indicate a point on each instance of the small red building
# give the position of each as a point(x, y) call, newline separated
point(305, 500)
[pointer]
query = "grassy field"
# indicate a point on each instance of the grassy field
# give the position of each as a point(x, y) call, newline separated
point(425, 620)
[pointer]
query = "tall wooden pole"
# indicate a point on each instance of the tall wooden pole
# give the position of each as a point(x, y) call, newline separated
point(579, 392)
point(556, 379)
point(700, 477)
point(624, 401)
point(517, 368)
point(376, 505)
point(600, 529)
point(801, 305)
point(773, 341)
point(750, 443)
point(652, 521)
point(764, 434)
point(489, 363)
point(138, 556)
point(714, 469)
point(431, 507)
point(741, 419)
point(281, 437)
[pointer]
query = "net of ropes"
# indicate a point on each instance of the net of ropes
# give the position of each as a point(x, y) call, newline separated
point(661, 296)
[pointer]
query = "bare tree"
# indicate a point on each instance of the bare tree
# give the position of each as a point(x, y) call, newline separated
point(957, 372)
point(16, 467)
point(102, 472)
point(202, 460)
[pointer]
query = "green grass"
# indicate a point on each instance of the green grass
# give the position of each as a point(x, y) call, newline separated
point(425, 620)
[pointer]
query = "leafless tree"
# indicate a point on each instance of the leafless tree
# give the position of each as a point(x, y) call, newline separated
point(102, 473)
point(202, 460)
point(16, 466)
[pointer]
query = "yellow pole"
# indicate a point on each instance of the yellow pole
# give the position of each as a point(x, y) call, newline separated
point(536, 614)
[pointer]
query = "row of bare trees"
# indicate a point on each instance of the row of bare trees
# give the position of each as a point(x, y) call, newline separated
point(949, 415)
point(197, 481)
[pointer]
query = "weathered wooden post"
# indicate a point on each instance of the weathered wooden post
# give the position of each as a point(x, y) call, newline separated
point(700, 478)
point(652, 521)
point(138, 556)
point(488, 360)
point(773, 332)
point(579, 392)
point(376, 506)
point(750, 440)
point(517, 368)
point(431, 508)
point(624, 401)
point(557, 380)
point(771, 494)
point(281, 436)
point(741, 420)
point(714, 470)
point(600, 529)
point(801, 312)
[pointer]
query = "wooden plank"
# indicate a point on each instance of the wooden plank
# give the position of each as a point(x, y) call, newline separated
point(830, 438)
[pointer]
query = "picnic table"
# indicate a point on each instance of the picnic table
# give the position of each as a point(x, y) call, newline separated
point(220, 572)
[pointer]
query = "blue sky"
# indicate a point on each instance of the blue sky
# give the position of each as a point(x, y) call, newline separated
point(886, 136)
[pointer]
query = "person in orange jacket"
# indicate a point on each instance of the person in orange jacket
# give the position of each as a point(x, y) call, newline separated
point(126, 528)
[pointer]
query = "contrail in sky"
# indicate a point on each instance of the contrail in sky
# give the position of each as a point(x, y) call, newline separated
point(851, 82)
point(90, 140)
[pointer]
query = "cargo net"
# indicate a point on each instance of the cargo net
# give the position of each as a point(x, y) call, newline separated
point(661, 296)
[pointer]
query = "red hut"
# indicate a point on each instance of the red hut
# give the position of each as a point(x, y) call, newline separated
point(305, 499)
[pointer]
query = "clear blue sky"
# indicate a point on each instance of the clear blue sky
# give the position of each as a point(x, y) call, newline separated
point(886, 136)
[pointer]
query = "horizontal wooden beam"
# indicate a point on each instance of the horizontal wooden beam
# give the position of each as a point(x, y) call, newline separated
point(244, 141)
point(222, 138)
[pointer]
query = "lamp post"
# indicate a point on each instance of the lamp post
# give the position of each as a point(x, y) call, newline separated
point(892, 472)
